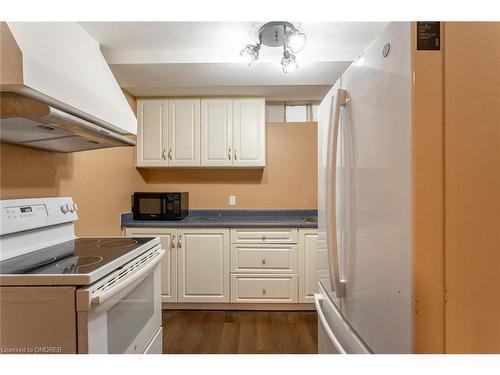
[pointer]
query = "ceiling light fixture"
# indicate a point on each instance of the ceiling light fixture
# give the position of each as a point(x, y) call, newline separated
point(250, 53)
point(288, 62)
point(296, 41)
point(277, 34)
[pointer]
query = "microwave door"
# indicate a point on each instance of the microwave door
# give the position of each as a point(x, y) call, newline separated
point(151, 207)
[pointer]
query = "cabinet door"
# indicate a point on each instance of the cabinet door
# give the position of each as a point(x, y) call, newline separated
point(203, 265)
point(184, 132)
point(216, 132)
point(168, 242)
point(308, 243)
point(249, 146)
point(152, 134)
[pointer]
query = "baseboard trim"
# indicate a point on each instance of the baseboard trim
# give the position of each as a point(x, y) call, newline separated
point(238, 306)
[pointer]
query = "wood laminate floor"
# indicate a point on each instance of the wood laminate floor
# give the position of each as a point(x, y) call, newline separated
point(240, 332)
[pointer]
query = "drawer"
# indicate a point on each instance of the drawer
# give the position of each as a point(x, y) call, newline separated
point(258, 258)
point(264, 288)
point(278, 235)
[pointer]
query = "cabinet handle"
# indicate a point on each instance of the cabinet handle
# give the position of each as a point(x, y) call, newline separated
point(179, 242)
point(172, 243)
point(264, 261)
point(264, 291)
point(235, 158)
point(229, 153)
point(170, 154)
point(163, 155)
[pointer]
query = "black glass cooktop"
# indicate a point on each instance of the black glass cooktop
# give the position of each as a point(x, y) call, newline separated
point(78, 256)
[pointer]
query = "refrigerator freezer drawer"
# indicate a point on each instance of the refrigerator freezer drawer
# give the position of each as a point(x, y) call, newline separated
point(155, 346)
point(335, 328)
point(264, 288)
point(325, 343)
point(257, 258)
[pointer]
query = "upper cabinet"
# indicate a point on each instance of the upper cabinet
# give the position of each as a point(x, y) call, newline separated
point(249, 148)
point(152, 135)
point(184, 133)
point(223, 132)
point(217, 132)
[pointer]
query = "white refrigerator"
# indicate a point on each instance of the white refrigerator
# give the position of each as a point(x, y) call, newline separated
point(364, 297)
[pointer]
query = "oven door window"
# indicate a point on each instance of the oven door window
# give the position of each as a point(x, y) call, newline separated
point(128, 317)
point(127, 321)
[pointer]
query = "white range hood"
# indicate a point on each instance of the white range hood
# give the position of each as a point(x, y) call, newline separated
point(57, 91)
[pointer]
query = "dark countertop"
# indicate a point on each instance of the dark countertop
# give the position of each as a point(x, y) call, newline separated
point(230, 219)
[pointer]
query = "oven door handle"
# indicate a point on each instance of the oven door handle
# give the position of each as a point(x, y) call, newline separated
point(108, 293)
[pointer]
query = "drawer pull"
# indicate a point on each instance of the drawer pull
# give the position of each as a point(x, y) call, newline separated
point(172, 243)
point(264, 261)
point(264, 291)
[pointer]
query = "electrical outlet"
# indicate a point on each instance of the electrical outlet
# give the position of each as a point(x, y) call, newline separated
point(232, 200)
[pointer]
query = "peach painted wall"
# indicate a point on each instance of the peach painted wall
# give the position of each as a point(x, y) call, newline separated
point(456, 171)
point(102, 181)
point(428, 200)
point(472, 187)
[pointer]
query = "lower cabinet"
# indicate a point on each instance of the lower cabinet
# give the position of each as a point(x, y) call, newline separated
point(169, 262)
point(254, 288)
point(202, 265)
point(308, 245)
point(259, 258)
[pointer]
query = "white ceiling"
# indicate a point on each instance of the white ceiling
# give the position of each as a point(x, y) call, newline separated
point(202, 58)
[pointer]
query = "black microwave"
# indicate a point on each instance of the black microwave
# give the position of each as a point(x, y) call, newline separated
point(160, 206)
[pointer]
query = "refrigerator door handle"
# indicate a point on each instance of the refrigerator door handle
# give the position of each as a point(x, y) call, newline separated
point(337, 284)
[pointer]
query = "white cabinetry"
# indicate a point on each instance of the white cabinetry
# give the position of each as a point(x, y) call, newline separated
point(258, 235)
point(152, 135)
point(216, 132)
point(239, 265)
point(168, 133)
point(264, 265)
point(264, 288)
point(249, 147)
point(169, 261)
point(308, 245)
point(203, 265)
point(184, 132)
point(275, 258)
point(227, 132)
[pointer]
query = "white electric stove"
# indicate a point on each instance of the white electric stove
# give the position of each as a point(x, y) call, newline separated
point(63, 294)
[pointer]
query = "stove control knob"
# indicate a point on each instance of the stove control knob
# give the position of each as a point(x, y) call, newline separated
point(71, 207)
point(75, 206)
point(64, 208)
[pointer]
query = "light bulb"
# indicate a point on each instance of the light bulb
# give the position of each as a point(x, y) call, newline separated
point(296, 41)
point(288, 62)
point(250, 53)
